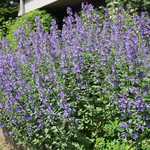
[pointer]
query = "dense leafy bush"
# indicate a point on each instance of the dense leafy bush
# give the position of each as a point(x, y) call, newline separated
point(133, 5)
point(8, 11)
point(27, 22)
point(86, 87)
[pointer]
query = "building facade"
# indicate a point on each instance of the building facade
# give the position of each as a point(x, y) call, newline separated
point(29, 5)
point(55, 5)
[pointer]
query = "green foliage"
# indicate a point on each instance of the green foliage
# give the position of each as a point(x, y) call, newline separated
point(103, 144)
point(132, 5)
point(28, 23)
point(8, 11)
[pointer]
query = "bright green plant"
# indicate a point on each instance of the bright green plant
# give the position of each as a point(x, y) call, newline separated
point(103, 144)
point(8, 11)
point(28, 23)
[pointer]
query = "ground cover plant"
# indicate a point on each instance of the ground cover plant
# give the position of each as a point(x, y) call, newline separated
point(84, 87)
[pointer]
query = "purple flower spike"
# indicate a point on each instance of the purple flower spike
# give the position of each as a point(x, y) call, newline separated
point(28, 118)
point(135, 136)
point(124, 125)
point(140, 105)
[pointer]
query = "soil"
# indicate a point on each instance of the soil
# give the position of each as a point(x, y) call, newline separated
point(5, 143)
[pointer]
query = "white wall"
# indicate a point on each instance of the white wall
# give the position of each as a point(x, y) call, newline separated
point(34, 4)
point(30, 5)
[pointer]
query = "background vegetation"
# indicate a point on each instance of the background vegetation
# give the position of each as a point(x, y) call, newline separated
point(8, 11)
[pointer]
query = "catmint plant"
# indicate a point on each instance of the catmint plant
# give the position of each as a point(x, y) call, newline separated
point(68, 88)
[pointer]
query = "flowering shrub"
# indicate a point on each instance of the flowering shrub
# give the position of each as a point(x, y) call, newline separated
point(85, 87)
point(27, 22)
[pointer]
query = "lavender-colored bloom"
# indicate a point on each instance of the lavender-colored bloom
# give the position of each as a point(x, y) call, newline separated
point(50, 110)
point(77, 69)
point(40, 124)
point(18, 110)
point(21, 37)
point(54, 40)
point(141, 75)
point(28, 118)
point(140, 105)
point(131, 45)
point(135, 136)
point(2, 125)
point(141, 128)
point(39, 25)
point(5, 44)
point(134, 91)
point(1, 106)
point(67, 111)
point(124, 125)
point(62, 95)
point(143, 24)
point(123, 103)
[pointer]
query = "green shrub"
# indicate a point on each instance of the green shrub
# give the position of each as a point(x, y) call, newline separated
point(102, 144)
point(8, 11)
point(133, 5)
point(28, 23)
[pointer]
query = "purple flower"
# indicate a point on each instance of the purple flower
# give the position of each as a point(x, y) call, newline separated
point(135, 136)
point(123, 103)
point(131, 45)
point(50, 110)
point(28, 118)
point(139, 104)
point(62, 95)
point(2, 125)
point(124, 125)
point(40, 124)
point(1, 106)
point(141, 75)
point(67, 111)
point(141, 128)
point(18, 110)
point(77, 69)
point(54, 40)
